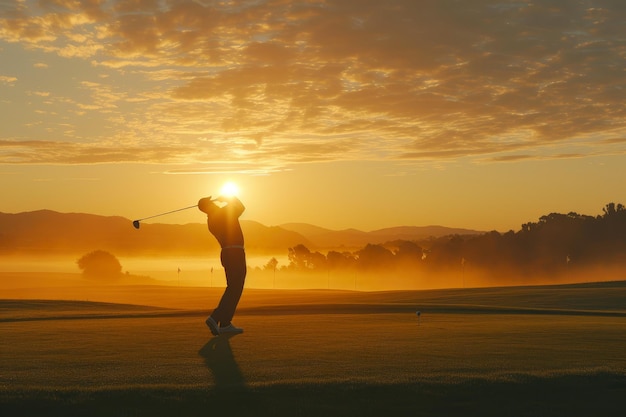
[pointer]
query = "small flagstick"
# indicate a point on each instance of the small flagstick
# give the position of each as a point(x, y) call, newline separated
point(418, 313)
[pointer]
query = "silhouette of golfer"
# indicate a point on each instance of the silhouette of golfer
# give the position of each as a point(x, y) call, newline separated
point(223, 222)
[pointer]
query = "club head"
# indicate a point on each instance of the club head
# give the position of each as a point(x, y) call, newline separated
point(136, 224)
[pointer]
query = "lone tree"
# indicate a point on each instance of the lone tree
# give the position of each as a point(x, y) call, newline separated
point(100, 264)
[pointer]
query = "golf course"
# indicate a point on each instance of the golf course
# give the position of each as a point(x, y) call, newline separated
point(135, 350)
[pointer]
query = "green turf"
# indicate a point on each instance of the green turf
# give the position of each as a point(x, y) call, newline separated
point(581, 395)
point(554, 351)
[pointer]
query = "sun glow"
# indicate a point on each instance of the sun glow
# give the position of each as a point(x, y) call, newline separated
point(230, 189)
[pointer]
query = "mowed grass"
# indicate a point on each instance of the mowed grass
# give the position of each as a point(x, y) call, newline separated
point(473, 352)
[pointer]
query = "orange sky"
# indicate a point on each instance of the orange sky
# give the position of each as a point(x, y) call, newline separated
point(366, 114)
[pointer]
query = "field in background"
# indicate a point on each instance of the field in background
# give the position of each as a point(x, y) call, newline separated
point(144, 350)
point(43, 271)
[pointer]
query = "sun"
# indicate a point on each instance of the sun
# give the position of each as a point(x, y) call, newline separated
point(229, 189)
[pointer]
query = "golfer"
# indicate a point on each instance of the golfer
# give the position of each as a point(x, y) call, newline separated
point(223, 222)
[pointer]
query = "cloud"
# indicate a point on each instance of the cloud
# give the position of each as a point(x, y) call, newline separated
point(56, 152)
point(278, 82)
point(514, 158)
point(509, 158)
point(614, 141)
point(41, 93)
point(225, 169)
point(4, 79)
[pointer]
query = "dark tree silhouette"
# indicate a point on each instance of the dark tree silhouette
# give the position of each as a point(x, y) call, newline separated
point(301, 258)
point(612, 209)
point(100, 264)
point(340, 260)
point(271, 265)
point(374, 256)
point(556, 243)
point(409, 250)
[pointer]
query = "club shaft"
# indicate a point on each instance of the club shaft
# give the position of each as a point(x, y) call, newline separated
point(169, 212)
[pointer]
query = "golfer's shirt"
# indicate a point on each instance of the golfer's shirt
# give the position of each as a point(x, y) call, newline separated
point(224, 225)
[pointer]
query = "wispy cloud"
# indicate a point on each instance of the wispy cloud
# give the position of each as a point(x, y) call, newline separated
point(274, 82)
point(46, 152)
point(7, 80)
point(225, 169)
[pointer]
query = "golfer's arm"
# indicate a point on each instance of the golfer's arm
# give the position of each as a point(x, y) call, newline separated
point(236, 205)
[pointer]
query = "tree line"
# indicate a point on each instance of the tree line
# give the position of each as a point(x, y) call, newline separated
point(555, 243)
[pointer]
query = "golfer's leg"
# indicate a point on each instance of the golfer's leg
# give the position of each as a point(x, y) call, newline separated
point(231, 297)
point(235, 268)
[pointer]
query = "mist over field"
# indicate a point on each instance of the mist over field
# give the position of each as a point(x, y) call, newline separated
point(559, 248)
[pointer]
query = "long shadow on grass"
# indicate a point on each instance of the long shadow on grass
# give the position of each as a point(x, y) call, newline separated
point(218, 356)
point(232, 393)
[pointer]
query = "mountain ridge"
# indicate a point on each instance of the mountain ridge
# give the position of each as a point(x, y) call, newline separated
point(50, 232)
point(354, 238)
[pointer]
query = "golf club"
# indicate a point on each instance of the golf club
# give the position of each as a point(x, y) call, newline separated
point(136, 222)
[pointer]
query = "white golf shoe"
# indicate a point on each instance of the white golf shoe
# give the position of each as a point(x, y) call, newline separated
point(230, 329)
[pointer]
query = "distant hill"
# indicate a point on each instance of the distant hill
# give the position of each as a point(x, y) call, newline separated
point(50, 232)
point(353, 238)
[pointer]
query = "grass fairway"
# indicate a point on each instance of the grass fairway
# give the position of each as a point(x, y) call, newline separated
point(540, 351)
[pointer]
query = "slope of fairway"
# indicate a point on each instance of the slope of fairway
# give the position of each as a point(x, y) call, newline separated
point(598, 299)
point(306, 349)
point(27, 310)
point(602, 296)
point(485, 352)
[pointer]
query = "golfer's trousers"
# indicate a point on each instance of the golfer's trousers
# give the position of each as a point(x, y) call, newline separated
point(234, 263)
